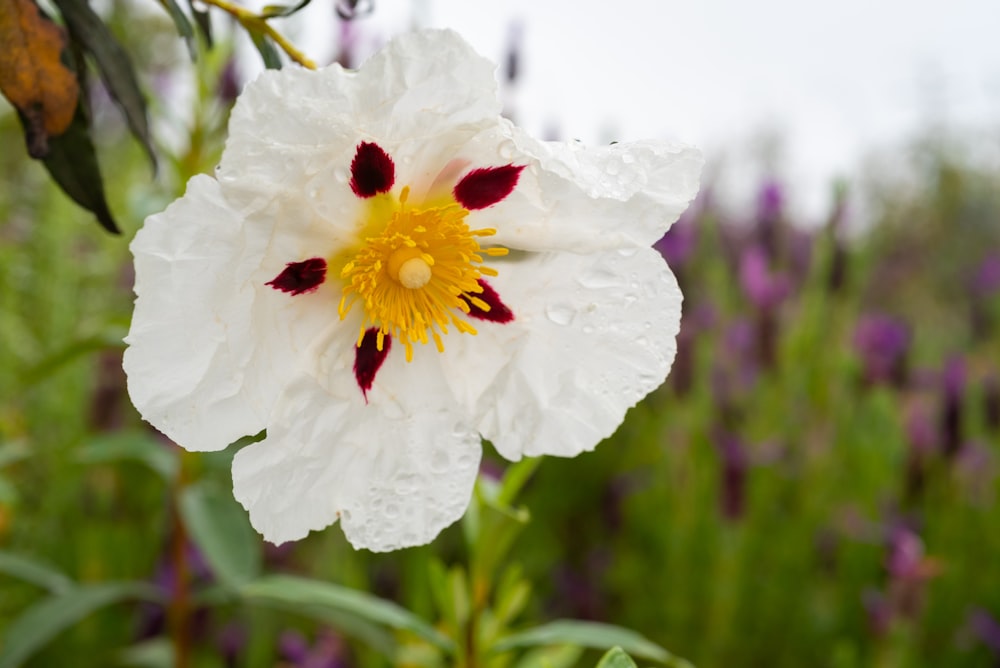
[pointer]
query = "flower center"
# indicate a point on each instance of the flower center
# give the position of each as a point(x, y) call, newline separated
point(419, 275)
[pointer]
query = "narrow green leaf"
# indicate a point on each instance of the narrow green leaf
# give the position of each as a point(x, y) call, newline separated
point(559, 656)
point(220, 529)
point(183, 25)
point(616, 657)
point(265, 46)
point(204, 22)
point(155, 653)
point(298, 591)
point(515, 478)
point(35, 572)
point(12, 452)
point(588, 634)
point(114, 65)
point(373, 635)
point(110, 339)
point(42, 622)
point(138, 444)
point(72, 162)
point(272, 11)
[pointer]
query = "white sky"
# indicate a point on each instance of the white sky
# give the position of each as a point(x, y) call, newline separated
point(831, 79)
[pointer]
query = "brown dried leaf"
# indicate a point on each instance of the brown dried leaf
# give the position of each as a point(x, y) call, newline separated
point(32, 76)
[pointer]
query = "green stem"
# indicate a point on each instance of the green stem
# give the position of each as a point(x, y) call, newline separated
point(248, 18)
point(179, 611)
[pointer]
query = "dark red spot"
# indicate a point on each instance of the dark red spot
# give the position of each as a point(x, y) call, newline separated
point(299, 277)
point(485, 187)
point(368, 359)
point(372, 171)
point(498, 310)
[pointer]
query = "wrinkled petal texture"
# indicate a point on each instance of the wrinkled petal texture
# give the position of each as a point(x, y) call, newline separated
point(581, 352)
point(394, 479)
point(236, 326)
point(207, 356)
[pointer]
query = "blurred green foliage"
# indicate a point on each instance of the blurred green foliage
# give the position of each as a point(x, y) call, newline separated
point(776, 503)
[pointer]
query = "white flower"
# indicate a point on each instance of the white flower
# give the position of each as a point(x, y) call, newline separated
point(344, 282)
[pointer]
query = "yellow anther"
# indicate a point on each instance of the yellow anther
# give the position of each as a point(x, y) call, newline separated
point(416, 272)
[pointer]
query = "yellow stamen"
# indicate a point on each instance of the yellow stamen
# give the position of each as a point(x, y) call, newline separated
point(416, 273)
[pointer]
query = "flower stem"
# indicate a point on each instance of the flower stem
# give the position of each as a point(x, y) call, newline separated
point(259, 23)
point(179, 611)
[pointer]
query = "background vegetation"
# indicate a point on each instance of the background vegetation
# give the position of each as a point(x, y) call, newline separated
point(815, 485)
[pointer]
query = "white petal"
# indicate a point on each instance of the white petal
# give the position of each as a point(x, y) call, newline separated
point(297, 131)
point(584, 199)
point(207, 354)
point(395, 471)
point(592, 335)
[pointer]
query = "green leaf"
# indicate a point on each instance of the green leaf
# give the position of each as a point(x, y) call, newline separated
point(114, 65)
point(515, 478)
point(12, 452)
point(588, 634)
point(375, 636)
point(204, 22)
point(220, 529)
point(272, 11)
point(265, 46)
point(559, 656)
point(155, 653)
point(72, 162)
point(42, 622)
point(296, 591)
point(110, 339)
point(138, 445)
point(616, 658)
point(183, 25)
point(35, 572)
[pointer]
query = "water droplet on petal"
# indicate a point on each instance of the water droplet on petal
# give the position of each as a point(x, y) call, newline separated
point(561, 314)
point(440, 461)
point(627, 252)
point(507, 149)
point(391, 511)
point(597, 278)
point(341, 175)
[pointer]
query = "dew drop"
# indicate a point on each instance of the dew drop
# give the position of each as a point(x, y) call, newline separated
point(598, 278)
point(613, 167)
point(440, 461)
point(507, 149)
point(405, 484)
point(561, 314)
point(627, 252)
point(588, 329)
point(391, 511)
point(628, 158)
point(341, 175)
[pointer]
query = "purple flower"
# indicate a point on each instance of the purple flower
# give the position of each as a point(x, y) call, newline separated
point(326, 652)
point(764, 288)
point(986, 628)
point(732, 494)
point(770, 202)
point(953, 387)
point(986, 280)
point(678, 244)
point(882, 342)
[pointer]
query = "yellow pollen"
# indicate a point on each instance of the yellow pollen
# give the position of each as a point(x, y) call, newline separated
point(416, 275)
